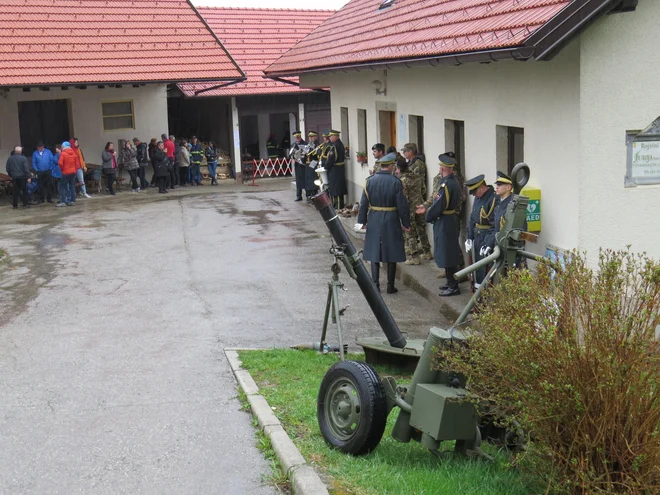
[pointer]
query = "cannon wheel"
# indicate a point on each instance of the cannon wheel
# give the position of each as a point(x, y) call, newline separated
point(352, 408)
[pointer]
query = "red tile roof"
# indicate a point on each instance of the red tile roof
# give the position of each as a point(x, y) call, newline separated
point(256, 38)
point(360, 33)
point(54, 42)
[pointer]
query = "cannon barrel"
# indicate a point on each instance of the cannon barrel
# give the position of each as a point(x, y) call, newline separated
point(368, 288)
point(462, 274)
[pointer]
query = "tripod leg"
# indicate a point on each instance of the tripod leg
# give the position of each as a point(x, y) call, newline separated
point(335, 304)
point(327, 315)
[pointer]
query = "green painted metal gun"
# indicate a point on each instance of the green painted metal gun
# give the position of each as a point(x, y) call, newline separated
point(354, 402)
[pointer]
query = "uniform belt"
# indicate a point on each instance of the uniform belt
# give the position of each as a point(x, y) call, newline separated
point(449, 212)
point(479, 226)
point(340, 164)
point(382, 208)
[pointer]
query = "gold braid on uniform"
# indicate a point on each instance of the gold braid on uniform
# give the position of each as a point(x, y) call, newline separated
point(483, 215)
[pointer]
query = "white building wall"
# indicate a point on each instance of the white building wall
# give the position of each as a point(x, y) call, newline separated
point(620, 92)
point(542, 98)
point(149, 106)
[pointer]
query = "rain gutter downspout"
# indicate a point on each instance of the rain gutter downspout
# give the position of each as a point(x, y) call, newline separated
point(218, 86)
point(293, 83)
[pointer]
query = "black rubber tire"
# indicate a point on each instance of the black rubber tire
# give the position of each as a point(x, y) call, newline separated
point(352, 390)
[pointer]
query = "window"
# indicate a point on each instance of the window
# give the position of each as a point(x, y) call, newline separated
point(385, 3)
point(416, 131)
point(118, 115)
point(362, 130)
point(345, 133)
point(455, 141)
point(510, 147)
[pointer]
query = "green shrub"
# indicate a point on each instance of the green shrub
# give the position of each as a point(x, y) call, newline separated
point(572, 355)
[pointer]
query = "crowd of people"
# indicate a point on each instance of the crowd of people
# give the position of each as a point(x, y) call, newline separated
point(63, 172)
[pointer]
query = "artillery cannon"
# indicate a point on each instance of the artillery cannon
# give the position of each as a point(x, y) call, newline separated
point(354, 402)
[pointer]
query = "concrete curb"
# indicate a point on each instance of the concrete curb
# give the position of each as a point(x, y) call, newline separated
point(304, 480)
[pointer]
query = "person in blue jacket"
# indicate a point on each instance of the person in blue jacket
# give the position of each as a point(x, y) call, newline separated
point(42, 164)
point(385, 212)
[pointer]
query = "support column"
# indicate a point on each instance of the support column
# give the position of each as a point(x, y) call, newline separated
point(263, 129)
point(301, 120)
point(293, 125)
point(235, 125)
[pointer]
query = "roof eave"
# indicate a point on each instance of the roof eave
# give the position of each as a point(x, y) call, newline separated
point(119, 83)
point(542, 45)
point(484, 56)
point(555, 34)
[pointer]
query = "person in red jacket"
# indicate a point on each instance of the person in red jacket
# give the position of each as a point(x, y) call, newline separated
point(170, 149)
point(69, 163)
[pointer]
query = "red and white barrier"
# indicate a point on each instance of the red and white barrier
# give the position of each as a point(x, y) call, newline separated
point(271, 168)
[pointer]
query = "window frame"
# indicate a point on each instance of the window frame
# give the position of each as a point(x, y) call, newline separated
point(132, 114)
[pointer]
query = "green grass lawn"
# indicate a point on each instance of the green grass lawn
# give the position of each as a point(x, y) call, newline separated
point(290, 380)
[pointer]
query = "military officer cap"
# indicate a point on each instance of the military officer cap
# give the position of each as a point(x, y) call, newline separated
point(332, 132)
point(388, 159)
point(475, 183)
point(326, 133)
point(297, 134)
point(447, 159)
point(502, 178)
point(312, 134)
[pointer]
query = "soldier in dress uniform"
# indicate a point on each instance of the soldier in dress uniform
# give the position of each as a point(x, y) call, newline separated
point(417, 167)
point(441, 214)
point(311, 161)
point(297, 154)
point(384, 210)
point(504, 191)
point(480, 224)
point(412, 191)
point(335, 164)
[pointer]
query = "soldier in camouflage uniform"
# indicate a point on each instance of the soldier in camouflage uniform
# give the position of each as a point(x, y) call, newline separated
point(417, 167)
point(378, 150)
point(412, 192)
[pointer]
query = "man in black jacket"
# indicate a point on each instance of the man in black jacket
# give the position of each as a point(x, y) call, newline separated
point(18, 170)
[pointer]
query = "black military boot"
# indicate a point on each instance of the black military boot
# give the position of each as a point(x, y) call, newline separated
point(391, 275)
point(452, 288)
point(375, 274)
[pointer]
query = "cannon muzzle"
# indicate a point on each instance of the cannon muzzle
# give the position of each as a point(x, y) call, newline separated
point(368, 288)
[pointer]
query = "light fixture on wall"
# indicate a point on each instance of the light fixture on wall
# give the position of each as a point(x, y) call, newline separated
point(379, 87)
